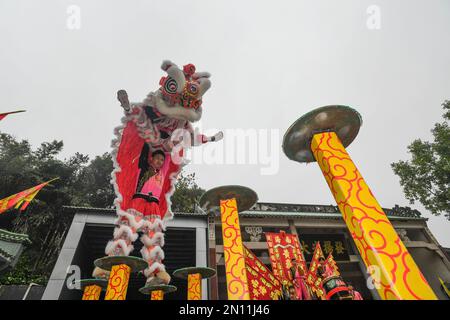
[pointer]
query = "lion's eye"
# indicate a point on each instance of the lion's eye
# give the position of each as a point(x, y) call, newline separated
point(170, 86)
point(193, 89)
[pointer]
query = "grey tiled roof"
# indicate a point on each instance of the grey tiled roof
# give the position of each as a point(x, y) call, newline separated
point(74, 209)
point(8, 236)
point(281, 210)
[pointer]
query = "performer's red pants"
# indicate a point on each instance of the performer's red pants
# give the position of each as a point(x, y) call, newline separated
point(145, 207)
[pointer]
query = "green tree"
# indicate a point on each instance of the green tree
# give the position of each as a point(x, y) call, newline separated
point(93, 187)
point(81, 183)
point(426, 177)
point(187, 193)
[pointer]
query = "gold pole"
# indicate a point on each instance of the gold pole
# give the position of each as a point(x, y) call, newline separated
point(157, 295)
point(194, 286)
point(236, 274)
point(391, 266)
point(118, 282)
point(92, 292)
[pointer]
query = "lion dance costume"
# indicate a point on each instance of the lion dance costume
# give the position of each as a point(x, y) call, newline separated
point(147, 127)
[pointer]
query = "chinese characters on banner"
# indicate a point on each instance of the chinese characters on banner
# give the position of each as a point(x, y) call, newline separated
point(283, 248)
point(262, 283)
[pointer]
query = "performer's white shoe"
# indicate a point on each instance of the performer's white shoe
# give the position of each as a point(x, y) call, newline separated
point(100, 273)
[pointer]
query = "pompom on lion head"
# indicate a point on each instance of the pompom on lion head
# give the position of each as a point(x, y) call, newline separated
point(181, 92)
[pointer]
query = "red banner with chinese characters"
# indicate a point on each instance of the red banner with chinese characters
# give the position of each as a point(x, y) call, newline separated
point(312, 279)
point(2, 115)
point(22, 199)
point(262, 283)
point(283, 248)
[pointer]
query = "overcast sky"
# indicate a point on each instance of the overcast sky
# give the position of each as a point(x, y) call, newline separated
point(271, 62)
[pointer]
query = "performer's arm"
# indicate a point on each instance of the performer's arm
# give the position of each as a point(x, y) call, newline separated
point(165, 166)
point(204, 139)
point(143, 167)
point(195, 138)
point(199, 138)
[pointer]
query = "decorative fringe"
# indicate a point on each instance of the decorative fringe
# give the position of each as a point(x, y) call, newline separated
point(153, 254)
point(157, 254)
point(118, 247)
point(156, 240)
point(124, 229)
point(133, 219)
point(149, 272)
point(153, 223)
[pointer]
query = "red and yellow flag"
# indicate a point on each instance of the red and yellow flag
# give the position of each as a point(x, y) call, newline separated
point(283, 248)
point(333, 266)
point(2, 115)
point(22, 199)
point(262, 283)
point(312, 278)
point(312, 273)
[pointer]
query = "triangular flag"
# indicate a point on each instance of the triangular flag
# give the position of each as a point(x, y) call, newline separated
point(22, 199)
point(2, 115)
point(311, 278)
point(332, 264)
point(262, 283)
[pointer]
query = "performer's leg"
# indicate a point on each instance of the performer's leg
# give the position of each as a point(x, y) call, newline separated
point(125, 233)
point(153, 240)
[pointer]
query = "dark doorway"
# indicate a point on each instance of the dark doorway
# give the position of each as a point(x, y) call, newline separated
point(179, 249)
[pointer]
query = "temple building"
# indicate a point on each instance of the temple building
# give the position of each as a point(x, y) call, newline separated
point(195, 239)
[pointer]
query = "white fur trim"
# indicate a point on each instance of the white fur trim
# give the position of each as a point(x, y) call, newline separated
point(122, 244)
point(145, 254)
point(131, 217)
point(119, 231)
point(156, 253)
point(156, 240)
point(148, 272)
point(156, 225)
